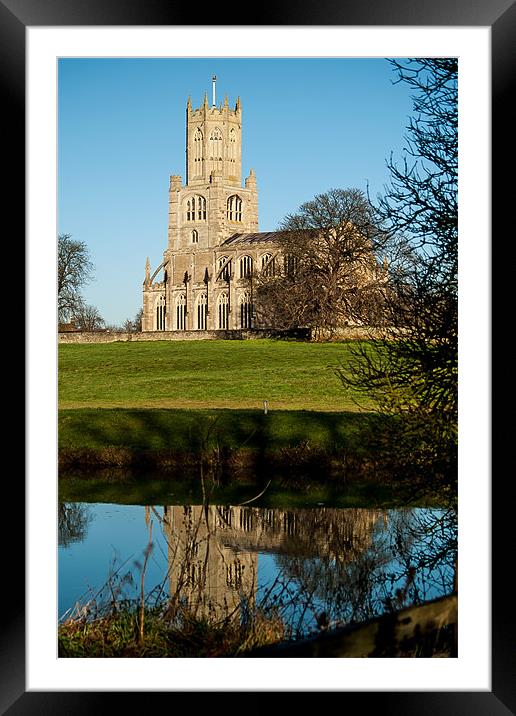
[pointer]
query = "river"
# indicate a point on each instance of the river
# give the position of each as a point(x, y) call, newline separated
point(306, 565)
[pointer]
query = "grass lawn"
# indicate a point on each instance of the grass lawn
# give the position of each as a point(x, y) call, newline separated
point(192, 430)
point(205, 374)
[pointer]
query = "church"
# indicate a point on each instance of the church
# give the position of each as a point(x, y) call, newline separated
point(214, 245)
point(213, 240)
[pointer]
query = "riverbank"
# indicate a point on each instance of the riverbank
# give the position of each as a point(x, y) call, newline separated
point(339, 455)
point(148, 633)
point(222, 442)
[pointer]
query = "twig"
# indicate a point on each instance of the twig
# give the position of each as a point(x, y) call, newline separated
point(142, 609)
point(254, 498)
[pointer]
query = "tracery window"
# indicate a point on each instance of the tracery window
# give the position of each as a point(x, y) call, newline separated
point(181, 312)
point(234, 208)
point(160, 313)
point(202, 312)
point(196, 208)
point(232, 146)
point(246, 266)
point(268, 265)
point(226, 272)
point(223, 310)
point(197, 151)
point(245, 310)
point(290, 263)
point(215, 145)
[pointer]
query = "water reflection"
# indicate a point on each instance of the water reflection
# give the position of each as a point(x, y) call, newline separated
point(73, 520)
point(309, 567)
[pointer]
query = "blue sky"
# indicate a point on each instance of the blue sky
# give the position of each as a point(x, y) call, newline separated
point(309, 125)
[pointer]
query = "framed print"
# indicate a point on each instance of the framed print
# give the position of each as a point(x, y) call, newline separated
point(34, 37)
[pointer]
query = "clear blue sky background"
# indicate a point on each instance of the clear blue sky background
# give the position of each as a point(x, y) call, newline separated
point(309, 125)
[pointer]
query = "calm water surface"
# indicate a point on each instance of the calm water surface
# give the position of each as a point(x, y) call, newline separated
point(349, 563)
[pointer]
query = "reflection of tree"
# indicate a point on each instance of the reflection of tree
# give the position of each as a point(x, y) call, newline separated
point(73, 520)
point(424, 543)
point(345, 590)
point(408, 562)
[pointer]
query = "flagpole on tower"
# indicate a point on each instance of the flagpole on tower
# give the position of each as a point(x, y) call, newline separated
point(214, 80)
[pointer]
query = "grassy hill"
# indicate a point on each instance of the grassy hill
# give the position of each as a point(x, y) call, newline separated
point(205, 374)
point(153, 404)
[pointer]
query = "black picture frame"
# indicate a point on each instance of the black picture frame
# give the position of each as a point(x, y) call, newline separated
point(500, 16)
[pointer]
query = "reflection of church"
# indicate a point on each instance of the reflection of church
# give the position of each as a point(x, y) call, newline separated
point(213, 550)
point(212, 578)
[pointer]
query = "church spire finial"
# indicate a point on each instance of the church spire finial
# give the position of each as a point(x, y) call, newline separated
point(214, 82)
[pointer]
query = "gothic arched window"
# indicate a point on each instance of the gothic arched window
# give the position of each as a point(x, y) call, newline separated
point(160, 313)
point(181, 312)
point(195, 236)
point(223, 310)
point(215, 145)
point(268, 265)
point(290, 264)
point(202, 311)
point(246, 266)
point(196, 208)
point(245, 310)
point(232, 146)
point(201, 208)
point(226, 271)
point(197, 150)
point(234, 208)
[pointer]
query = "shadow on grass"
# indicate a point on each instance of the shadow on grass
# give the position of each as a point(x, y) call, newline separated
point(226, 441)
point(176, 429)
point(148, 455)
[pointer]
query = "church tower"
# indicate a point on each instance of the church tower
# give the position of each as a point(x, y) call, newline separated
point(211, 206)
point(213, 142)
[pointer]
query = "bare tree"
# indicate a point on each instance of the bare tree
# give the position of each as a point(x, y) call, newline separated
point(74, 269)
point(87, 318)
point(328, 275)
point(137, 321)
point(131, 325)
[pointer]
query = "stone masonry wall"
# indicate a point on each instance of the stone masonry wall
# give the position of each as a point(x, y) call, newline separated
point(237, 335)
point(301, 334)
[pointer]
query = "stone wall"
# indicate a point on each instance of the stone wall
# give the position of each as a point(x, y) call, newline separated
point(349, 333)
point(236, 335)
